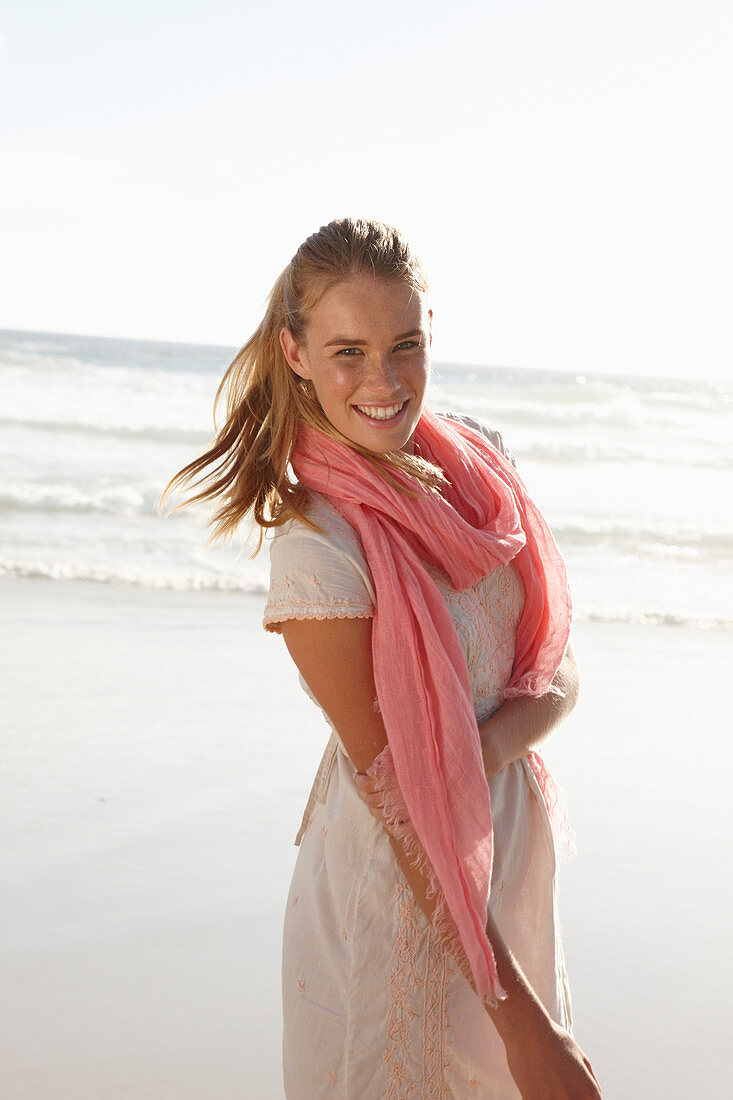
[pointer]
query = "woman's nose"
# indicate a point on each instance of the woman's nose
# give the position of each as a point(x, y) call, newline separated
point(385, 375)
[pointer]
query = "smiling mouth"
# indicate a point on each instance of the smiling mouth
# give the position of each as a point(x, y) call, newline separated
point(386, 412)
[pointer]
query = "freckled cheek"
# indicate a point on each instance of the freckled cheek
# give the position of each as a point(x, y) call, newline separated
point(420, 377)
point(346, 385)
point(334, 387)
point(344, 380)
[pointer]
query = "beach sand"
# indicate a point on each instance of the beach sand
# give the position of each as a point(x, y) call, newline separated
point(157, 753)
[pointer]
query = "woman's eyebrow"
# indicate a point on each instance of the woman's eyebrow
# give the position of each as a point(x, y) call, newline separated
point(352, 342)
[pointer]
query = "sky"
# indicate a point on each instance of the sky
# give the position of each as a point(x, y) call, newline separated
point(564, 169)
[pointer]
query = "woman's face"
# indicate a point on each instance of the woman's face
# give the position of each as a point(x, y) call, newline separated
point(366, 351)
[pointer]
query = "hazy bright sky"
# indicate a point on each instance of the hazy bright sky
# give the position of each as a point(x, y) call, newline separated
point(564, 168)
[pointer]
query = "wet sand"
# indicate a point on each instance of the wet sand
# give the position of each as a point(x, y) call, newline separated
point(157, 752)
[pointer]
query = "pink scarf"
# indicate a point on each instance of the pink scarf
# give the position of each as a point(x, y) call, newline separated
point(435, 790)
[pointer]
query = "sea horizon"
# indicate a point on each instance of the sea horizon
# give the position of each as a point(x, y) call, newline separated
point(528, 369)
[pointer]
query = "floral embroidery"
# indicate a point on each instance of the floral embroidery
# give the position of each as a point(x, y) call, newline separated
point(504, 584)
point(301, 985)
point(473, 1083)
point(295, 900)
point(403, 982)
point(315, 581)
point(418, 984)
point(434, 1021)
point(485, 617)
point(331, 1077)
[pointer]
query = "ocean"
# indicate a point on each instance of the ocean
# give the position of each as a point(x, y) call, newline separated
point(635, 475)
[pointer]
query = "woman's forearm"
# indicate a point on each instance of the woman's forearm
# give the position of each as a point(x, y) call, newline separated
point(522, 724)
point(521, 1010)
point(544, 1059)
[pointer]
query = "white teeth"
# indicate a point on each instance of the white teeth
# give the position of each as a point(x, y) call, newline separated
point(380, 414)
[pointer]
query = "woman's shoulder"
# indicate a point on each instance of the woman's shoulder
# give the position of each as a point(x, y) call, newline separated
point(334, 529)
point(317, 573)
point(494, 437)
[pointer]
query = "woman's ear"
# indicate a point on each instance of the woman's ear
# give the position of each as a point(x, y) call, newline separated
point(294, 353)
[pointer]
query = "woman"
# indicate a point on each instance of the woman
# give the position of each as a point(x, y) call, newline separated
point(425, 605)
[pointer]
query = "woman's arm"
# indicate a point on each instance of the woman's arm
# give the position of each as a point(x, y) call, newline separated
point(334, 657)
point(522, 724)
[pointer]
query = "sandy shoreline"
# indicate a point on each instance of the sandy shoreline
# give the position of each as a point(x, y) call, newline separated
point(157, 752)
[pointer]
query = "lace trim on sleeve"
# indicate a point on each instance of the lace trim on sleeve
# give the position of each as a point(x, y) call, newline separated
point(275, 617)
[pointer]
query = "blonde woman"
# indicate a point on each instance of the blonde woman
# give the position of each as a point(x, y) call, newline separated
point(425, 604)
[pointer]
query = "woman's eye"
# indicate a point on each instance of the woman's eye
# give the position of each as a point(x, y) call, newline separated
point(405, 345)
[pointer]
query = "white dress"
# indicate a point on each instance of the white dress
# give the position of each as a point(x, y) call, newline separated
point(373, 1007)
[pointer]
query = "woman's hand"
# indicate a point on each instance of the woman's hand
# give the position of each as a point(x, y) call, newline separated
point(366, 788)
point(551, 1066)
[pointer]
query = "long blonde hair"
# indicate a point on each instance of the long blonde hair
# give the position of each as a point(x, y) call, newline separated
point(247, 467)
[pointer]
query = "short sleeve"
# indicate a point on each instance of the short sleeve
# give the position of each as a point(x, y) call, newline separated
point(316, 575)
point(491, 434)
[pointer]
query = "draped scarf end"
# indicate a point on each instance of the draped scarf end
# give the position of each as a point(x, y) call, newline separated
point(398, 824)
